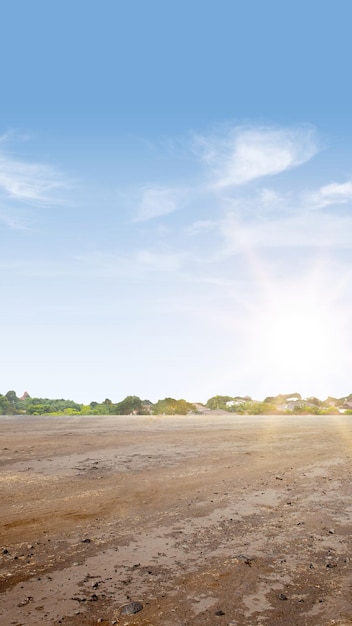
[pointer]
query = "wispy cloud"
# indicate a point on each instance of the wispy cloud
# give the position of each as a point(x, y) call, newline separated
point(201, 226)
point(301, 231)
point(155, 201)
point(245, 154)
point(12, 221)
point(24, 180)
point(160, 261)
point(28, 181)
point(334, 193)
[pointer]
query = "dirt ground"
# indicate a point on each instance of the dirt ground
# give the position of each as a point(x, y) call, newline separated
point(203, 520)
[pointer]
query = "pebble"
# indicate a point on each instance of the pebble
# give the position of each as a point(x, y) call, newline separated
point(131, 608)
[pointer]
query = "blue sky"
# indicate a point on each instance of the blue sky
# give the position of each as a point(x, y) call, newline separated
point(175, 198)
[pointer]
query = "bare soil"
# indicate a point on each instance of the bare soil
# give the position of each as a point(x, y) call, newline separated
point(204, 520)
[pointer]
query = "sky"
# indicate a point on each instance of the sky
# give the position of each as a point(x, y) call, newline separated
point(175, 199)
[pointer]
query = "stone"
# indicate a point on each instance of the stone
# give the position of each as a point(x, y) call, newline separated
point(131, 608)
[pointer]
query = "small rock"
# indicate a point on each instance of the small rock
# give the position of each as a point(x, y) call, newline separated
point(331, 565)
point(219, 613)
point(131, 608)
point(331, 531)
point(5, 551)
point(86, 540)
point(282, 596)
point(94, 597)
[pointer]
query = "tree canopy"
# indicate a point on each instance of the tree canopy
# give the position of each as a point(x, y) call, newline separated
point(11, 404)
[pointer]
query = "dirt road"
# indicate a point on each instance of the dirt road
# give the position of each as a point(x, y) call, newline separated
point(221, 520)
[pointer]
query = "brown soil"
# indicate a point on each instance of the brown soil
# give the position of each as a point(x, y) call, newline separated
point(221, 520)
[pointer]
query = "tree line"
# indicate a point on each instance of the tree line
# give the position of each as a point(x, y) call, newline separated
point(11, 404)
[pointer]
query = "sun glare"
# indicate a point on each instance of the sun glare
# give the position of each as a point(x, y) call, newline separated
point(291, 332)
point(296, 337)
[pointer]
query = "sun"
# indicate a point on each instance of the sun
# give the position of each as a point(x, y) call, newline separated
point(290, 332)
point(296, 336)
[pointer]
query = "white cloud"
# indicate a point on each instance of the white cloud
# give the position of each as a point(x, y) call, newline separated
point(28, 181)
point(270, 199)
point(289, 231)
point(245, 154)
point(126, 265)
point(11, 221)
point(157, 201)
point(201, 226)
point(334, 193)
point(159, 261)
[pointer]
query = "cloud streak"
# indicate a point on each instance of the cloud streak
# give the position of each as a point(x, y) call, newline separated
point(11, 221)
point(156, 201)
point(246, 154)
point(334, 193)
point(299, 231)
point(29, 182)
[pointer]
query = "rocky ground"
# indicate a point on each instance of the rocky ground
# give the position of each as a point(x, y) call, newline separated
point(221, 520)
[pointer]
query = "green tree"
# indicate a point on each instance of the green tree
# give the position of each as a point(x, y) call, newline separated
point(218, 402)
point(13, 402)
point(131, 404)
point(170, 406)
point(4, 405)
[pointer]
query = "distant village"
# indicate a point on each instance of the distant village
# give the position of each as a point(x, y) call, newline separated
point(282, 404)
